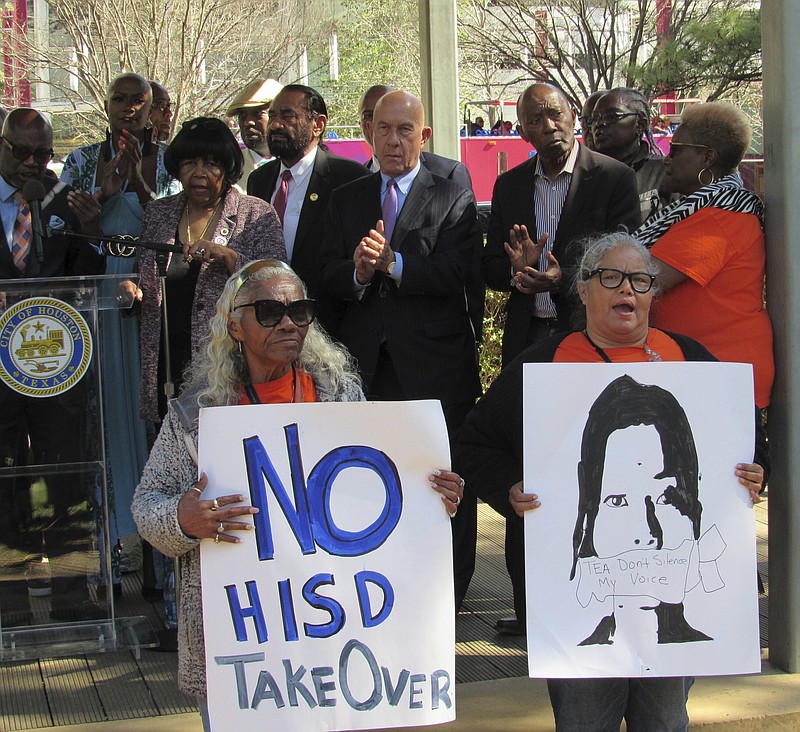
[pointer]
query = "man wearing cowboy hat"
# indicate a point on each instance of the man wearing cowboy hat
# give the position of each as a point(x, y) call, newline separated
point(250, 107)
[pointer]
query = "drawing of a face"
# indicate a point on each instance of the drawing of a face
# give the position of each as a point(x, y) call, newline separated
point(655, 484)
point(633, 512)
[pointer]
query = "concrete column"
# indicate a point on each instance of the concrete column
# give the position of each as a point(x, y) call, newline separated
point(781, 55)
point(439, 70)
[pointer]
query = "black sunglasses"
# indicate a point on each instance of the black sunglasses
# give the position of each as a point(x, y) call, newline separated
point(23, 153)
point(270, 312)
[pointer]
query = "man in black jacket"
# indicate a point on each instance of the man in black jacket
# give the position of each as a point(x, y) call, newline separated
point(300, 180)
point(50, 430)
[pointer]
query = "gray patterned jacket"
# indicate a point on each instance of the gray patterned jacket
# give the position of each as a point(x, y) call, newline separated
point(170, 472)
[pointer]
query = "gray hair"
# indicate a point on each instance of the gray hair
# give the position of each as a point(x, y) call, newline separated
point(594, 251)
point(220, 368)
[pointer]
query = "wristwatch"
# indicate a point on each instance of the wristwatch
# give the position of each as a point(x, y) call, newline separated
point(390, 267)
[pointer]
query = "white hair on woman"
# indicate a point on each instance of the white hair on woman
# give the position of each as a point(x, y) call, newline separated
point(223, 367)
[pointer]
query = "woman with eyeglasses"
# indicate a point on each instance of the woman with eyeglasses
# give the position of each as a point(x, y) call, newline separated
point(263, 347)
point(709, 245)
point(219, 228)
point(615, 282)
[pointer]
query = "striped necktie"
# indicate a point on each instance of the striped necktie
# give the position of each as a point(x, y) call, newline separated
point(21, 237)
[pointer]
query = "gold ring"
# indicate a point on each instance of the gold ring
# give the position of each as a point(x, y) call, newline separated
point(220, 528)
point(189, 257)
point(195, 488)
point(216, 539)
point(215, 505)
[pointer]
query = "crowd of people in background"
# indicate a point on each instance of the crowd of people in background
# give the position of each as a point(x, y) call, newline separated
point(381, 268)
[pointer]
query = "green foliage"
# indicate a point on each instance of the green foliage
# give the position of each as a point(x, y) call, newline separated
point(712, 56)
point(378, 44)
point(494, 320)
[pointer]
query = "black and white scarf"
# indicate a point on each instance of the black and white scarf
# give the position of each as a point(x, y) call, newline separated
point(727, 193)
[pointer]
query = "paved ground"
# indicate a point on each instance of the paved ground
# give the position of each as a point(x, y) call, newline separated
point(116, 692)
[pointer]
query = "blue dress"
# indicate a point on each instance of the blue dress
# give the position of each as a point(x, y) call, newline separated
point(125, 432)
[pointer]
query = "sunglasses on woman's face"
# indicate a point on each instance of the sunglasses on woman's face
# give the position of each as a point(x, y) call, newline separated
point(270, 312)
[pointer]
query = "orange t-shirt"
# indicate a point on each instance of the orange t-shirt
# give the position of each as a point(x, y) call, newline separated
point(575, 348)
point(720, 304)
point(282, 390)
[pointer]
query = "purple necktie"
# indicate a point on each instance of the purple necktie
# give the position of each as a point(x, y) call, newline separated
point(390, 209)
point(282, 195)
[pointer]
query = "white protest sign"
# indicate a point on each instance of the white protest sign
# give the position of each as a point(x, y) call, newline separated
point(641, 560)
point(336, 612)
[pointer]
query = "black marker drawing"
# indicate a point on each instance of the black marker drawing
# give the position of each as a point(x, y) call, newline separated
point(639, 513)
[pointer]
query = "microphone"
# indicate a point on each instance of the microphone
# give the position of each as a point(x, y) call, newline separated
point(33, 192)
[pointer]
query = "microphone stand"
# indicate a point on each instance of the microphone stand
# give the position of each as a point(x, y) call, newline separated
point(168, 638)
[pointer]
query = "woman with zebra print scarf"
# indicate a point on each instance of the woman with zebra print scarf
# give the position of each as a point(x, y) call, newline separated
point(710, 244)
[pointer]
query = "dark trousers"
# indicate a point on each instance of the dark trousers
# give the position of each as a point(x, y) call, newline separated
point(46, 431)
point(539, 329)
point(386, 387)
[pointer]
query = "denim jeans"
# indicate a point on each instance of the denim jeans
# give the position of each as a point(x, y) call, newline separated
point(600, 705)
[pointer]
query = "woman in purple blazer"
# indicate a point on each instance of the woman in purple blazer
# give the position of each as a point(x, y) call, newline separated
point(220, 230)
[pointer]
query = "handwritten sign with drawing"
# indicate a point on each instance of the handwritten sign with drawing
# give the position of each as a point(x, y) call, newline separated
point(336, 612)
point(649, 538)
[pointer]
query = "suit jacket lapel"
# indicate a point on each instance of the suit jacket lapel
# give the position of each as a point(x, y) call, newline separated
point(315, 200)
point(418, 198)
point(272, 169)
point(577, 195)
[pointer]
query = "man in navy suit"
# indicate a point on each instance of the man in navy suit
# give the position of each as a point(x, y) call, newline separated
point(438, 165)
point(541, 209)
point(296, 124)
point(399, 252)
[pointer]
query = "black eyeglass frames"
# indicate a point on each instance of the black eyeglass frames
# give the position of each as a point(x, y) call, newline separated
point(641, 282)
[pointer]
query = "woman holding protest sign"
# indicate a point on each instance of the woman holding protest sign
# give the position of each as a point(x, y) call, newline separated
point(263, 348)
point(615, 283)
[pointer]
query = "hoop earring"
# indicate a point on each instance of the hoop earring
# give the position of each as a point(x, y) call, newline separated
point(700, 176)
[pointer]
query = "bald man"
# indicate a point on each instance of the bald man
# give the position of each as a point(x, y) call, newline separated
point(52, 429)
point(437, 164)
point(399, 255)
point(160, 112)
point(25, 150)
point(541, 210)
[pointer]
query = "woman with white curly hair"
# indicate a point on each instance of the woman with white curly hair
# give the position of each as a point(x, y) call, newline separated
point(263, 348)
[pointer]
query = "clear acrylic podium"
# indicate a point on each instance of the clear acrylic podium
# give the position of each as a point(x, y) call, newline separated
point(56, 595)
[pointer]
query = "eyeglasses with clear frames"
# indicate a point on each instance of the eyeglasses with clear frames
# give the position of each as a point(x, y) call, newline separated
point(609, 118)
point(610, 278)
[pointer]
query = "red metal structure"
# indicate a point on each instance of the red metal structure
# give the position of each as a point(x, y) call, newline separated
point(16, 86)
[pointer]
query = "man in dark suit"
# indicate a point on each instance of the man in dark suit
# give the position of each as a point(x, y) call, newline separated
point(398, 251)
point(437, 164)
point(49, 429)
point(300, 180)
point(443, 167)
point(540, 211)
point(25, 150)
